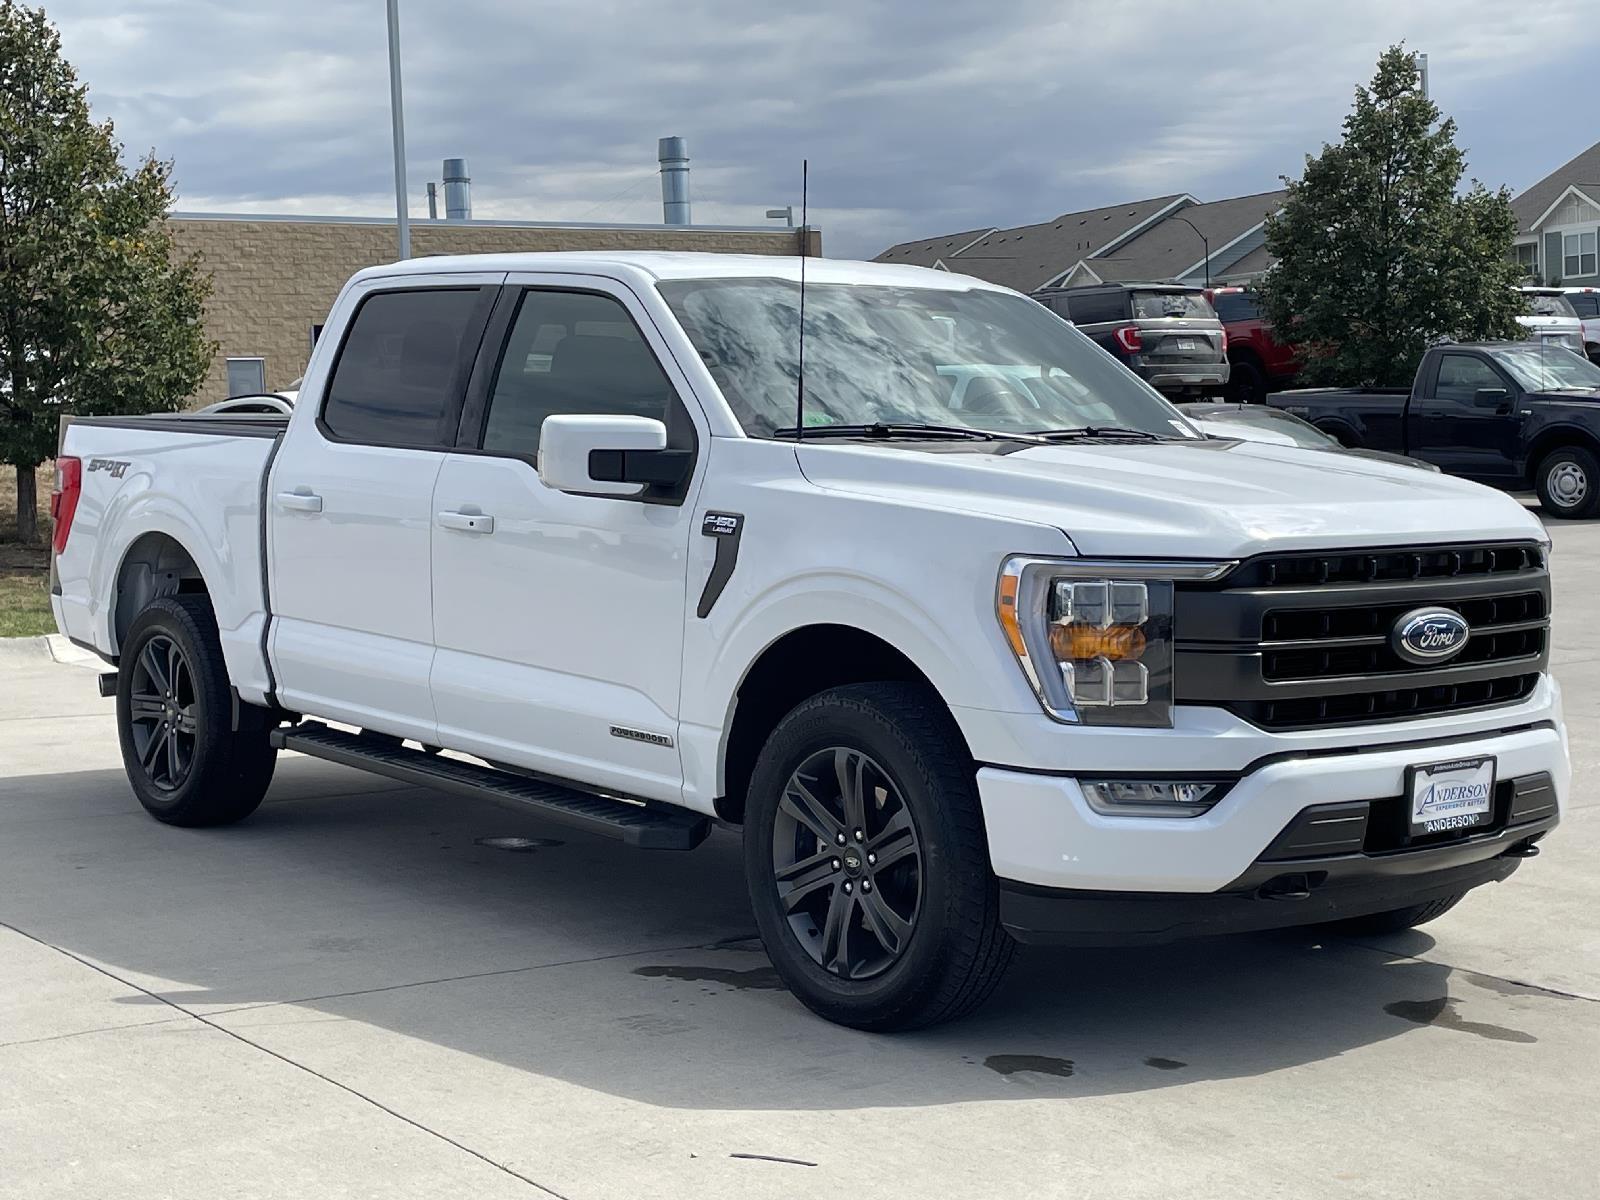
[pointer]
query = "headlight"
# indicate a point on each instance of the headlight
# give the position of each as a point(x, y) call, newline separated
point(1094, 637)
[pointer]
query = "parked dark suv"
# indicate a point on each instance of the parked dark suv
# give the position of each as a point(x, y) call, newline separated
point(1166, 333)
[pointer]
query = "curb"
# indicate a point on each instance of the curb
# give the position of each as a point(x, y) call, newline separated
point(49, 647)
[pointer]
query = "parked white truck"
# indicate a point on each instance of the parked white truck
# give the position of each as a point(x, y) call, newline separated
point(1043, 665)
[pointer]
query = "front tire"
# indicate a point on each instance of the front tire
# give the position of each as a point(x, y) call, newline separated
point(186, 762)
point(1568, 483)
point(867, 863)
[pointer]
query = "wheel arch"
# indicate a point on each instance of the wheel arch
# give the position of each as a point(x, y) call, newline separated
point(155, 564)
point(793, 667)
point(1558, 438)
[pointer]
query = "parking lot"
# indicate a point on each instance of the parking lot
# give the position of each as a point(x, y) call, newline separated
point(358, 993)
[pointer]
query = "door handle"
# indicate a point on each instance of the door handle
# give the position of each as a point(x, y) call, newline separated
point(466, 522)
point(299, 502)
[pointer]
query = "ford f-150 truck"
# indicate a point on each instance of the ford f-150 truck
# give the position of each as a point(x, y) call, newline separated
point(1510, 414)
point(579, 532)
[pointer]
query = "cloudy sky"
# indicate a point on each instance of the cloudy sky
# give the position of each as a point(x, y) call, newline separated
point(918, 116)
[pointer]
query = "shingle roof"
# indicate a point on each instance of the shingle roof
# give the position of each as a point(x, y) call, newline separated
point(928, 251)
point(1581, 171)
point(1170, 247)
point(1026, 256)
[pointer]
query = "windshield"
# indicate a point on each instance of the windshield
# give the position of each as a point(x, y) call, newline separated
point(976, 359)
point(1541, 369)
point(1172, 304)
point(1541, 305)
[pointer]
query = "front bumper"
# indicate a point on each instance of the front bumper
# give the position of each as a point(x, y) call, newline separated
point(1270, 895)
point(1043, 833)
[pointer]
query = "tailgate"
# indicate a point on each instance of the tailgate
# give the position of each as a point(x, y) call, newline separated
point(1175, 340)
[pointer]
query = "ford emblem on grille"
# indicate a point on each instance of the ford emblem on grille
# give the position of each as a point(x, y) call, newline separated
point(1429, 635)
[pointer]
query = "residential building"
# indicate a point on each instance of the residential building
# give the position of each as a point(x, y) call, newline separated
point(275, 277)
point(1558, 220)
point(1174, 237)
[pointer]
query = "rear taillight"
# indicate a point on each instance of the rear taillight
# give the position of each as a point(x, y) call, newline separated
point(64, 499)
point(1224, 339)
point(1128, 338)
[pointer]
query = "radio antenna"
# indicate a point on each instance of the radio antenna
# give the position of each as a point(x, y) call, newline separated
point(805, 252)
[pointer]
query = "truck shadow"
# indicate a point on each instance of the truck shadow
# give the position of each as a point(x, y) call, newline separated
point(347, 907)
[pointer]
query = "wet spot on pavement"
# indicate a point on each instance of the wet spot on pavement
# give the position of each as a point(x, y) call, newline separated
point(764, 978)
point(1441, 1013)
point(1036, 1064)
point(1165, 1064)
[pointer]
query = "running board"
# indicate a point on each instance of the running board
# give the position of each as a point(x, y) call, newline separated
point(650, 828)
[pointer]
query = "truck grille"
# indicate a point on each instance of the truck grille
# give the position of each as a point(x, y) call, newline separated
point(1297, 641)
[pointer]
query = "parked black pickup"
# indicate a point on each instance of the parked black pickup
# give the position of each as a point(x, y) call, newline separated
point(1510, 414)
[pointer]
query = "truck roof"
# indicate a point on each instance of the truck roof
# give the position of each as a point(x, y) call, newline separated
point(664, 264)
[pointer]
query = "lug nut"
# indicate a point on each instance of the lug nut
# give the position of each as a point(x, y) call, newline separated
point(837, 864)
point(866, 885)
point(872, 860)
point(839, 838)
point(860, 837)
point(847, 887)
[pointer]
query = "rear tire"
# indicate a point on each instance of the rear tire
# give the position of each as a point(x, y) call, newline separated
point(187, 764)
point(1246, 383)
point(897, 928)
point(1396, 920)
point(1568, 483)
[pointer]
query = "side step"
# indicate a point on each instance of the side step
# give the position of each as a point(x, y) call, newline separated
point(650, 828)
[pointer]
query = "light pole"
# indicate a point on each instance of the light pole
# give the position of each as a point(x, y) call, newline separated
point(1204, 243)
point(402, 217)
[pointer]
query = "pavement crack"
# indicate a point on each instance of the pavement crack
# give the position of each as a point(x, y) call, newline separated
point(290, 1062)
point(417, 983)
point(1505, 985)
point(63, 1037)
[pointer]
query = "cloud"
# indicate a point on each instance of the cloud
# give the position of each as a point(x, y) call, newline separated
point(918, 118)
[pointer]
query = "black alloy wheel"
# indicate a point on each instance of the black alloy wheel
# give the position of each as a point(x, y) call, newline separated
point(162, 713)
point(847, 863)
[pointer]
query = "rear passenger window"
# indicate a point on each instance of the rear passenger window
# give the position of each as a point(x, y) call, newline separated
point(1236, 306)
point(395, 381)
point(1587, 304)
point(571, 352)
point(1090, 308)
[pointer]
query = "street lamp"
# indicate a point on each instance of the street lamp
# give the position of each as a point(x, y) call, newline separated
point(1204, 243)
point(402, 217)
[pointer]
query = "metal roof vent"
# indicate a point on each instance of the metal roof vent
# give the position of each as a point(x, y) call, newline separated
point(457, 190)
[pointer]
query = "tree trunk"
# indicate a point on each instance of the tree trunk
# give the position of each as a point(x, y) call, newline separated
point(27, 506)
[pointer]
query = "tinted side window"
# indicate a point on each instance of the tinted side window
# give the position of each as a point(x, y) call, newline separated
point(571, 352)
point(1461, 375)
point(1236, 306)
point(1088, 308)
point(395, 380)
point(1587, 304)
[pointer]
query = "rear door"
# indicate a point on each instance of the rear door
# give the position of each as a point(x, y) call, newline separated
point(350, 504)
point(559, 618)
point(1450, 428)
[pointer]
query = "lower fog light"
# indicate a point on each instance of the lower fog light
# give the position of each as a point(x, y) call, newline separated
point(1150, 797)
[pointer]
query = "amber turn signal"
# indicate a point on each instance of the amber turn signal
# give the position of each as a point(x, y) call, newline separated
point(1078, 642)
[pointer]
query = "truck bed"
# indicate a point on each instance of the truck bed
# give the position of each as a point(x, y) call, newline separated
point(195, 479)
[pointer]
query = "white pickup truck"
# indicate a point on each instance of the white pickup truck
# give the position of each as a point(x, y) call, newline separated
point(972, 633)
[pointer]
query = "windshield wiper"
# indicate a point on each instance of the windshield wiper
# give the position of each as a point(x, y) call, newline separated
point(1095, 431)
point(904, 429)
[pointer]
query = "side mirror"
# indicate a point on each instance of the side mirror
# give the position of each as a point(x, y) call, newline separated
point(607, 455)
point(1491, 397)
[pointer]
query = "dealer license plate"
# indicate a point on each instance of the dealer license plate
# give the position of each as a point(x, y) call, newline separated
point(1187, 344)
point(1451, 795)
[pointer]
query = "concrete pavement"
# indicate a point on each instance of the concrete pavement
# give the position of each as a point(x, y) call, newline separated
point(352, 995)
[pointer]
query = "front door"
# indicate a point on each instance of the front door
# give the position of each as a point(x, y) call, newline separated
point(1451, 429)
point(350, 505)
point(559, 618)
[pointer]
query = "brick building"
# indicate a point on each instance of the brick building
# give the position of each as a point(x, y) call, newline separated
point(276, 276)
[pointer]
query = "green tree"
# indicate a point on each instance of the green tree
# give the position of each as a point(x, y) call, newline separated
point(1379, 251)
point(98, 312)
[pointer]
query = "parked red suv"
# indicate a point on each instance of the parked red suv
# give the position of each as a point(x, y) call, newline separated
point(1260, 362)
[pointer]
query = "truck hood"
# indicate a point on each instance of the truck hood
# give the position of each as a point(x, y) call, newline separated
point(1181, 499)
